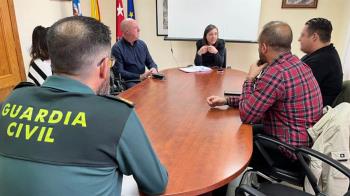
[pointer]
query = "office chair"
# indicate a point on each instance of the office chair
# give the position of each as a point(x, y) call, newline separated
point(344, 95)
point(269, 189)
point(225, 54)
point(303, 155)
point(275, 171)
point(117, 84)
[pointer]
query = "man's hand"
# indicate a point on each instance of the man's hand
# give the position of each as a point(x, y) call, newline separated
point(255, 70)
point(212, 49)
point(153, 70)
point(216, 101)
point(145, 75)
point(202, 50)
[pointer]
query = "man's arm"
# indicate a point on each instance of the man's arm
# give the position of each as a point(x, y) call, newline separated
point(231, 101)
point(149, 61)
point(118, 67)
point(135, 156)
point(255, 101)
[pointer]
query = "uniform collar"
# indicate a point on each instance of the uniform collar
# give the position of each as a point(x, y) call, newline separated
point(67, 84)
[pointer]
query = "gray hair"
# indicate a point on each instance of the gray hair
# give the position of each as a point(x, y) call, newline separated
point(74, 42)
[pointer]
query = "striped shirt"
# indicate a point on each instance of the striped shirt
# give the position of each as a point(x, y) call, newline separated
point(286, 99)
point(38, 71)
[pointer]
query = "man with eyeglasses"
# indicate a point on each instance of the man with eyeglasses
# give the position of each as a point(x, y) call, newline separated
point(132, 55)
point(65, 137)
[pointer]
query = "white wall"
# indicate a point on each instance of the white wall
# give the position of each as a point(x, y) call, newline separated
point(346, 57)
point(30, 14)
point(241, 55)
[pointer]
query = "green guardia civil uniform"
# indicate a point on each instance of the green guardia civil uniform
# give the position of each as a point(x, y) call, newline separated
point(62, 139)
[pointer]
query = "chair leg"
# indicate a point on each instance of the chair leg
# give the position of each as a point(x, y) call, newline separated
point(256, 173)
point(244, 176)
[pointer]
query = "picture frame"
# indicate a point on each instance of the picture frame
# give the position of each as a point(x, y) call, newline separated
point(299, 3)
point(162, 17)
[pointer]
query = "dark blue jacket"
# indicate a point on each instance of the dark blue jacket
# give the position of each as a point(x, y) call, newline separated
point(131, 60)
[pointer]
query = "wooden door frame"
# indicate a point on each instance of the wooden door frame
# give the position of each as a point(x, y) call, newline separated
point(17, 41)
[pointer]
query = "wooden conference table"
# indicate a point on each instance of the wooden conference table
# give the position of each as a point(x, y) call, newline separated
point(202, 148)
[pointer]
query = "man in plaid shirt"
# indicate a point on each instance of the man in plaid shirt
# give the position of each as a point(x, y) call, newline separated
point(285, 98)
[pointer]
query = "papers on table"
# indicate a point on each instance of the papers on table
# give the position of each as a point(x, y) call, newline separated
point(193, 69)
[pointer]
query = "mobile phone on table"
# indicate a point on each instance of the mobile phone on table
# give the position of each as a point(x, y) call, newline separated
point(158, 76)
point(232, 93)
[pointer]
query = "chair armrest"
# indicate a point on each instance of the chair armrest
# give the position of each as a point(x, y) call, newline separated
point(241, 190)
point(261, 137)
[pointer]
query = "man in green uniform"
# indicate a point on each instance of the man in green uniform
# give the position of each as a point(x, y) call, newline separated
point(63, 139)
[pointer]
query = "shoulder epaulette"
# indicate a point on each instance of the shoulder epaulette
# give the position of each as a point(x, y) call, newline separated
point(120, 99)
point(24, 84)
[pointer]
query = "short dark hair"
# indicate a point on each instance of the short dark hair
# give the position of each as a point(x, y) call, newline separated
point(39, 46)
point(206, 31)
point(322, 27)
point(277, 35)
point(74, 41)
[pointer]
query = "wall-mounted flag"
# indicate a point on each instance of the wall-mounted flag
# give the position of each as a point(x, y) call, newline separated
point(120, 17)
point(131, 9)
point(76, 8)
point(95, 10)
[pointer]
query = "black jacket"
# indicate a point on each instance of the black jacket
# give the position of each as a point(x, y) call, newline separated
point(209, 59)
point(326, 67)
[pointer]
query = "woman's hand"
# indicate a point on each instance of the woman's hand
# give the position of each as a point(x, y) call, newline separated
point(202, 50)
point(212, 49)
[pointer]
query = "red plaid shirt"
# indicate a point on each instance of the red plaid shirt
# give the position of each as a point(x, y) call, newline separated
point(286, 99)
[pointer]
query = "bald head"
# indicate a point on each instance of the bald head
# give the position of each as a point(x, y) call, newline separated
point(126, 24)
point(130, 29)
point(278, 35)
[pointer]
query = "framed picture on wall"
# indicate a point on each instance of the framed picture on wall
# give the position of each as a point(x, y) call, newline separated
point(299, 3)
point(162, 17)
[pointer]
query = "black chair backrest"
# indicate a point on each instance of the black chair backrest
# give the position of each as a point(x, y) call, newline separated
point(344, 95)
point(117, 84)
point(264, 145)
point(225, 54)
point(304, 153)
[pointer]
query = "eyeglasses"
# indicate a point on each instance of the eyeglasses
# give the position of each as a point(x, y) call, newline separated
point(111, 61)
